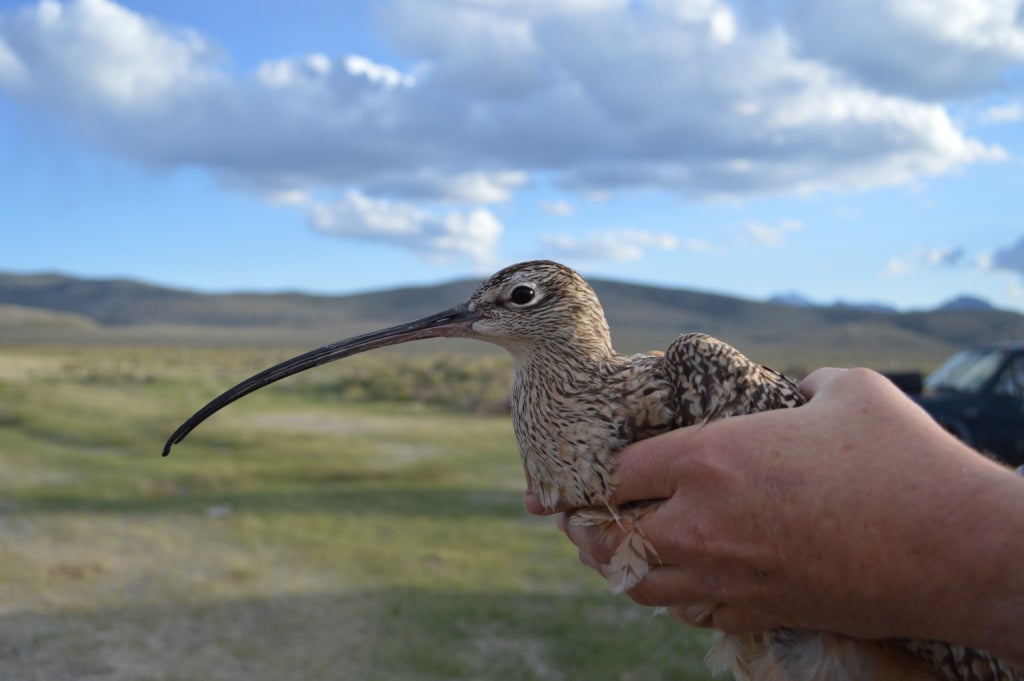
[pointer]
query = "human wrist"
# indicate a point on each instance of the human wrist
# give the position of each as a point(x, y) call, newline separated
point(983, 600)
point(1000, 606)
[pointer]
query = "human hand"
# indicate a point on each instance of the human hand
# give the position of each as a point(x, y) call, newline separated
point(855, 513)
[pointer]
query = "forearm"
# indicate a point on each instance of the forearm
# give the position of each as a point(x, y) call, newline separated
point(950, 568)
point(986, 607)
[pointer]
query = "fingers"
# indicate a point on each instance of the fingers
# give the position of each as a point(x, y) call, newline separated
point(598, 542)
point(531, 502)
point(533, 505)
point(643, 472)
point(730, 619)
point(698, 615)
point(671, 586)
point(663, 585)
point(688, 592)
point(687, 596)
point(645, 469)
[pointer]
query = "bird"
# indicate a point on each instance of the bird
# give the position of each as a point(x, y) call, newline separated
point(576, 403)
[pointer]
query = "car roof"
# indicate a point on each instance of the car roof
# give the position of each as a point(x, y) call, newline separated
point(1015, 346)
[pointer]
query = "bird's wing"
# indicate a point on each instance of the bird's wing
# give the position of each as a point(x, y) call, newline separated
point(711, 380)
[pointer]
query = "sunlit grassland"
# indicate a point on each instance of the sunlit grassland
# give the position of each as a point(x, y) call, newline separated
point(314, 530)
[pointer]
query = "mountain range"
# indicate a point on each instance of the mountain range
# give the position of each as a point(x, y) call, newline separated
point(961, 302)
point(791, 334)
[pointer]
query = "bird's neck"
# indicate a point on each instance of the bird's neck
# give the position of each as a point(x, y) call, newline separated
point(562, 369)
point(559, 358)
point(586, 345)
point(557, 417)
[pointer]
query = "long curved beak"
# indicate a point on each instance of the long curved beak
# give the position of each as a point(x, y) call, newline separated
point(456, 321)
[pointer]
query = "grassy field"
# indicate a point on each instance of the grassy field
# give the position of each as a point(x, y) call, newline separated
point(300, 534)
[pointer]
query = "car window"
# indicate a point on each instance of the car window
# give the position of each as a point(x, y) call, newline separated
point(1011, 381)
point(966, 371)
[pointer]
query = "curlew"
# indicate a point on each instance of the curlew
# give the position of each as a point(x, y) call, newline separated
point(576, 402)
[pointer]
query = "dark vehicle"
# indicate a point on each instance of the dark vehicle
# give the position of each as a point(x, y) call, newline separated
point(978, 395)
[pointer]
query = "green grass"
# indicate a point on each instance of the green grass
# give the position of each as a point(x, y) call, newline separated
point(296, 535)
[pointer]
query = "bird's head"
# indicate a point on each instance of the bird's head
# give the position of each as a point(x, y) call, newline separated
point(538, 306)
point(530, 308)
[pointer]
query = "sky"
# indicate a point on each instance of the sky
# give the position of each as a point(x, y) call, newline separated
point(855, 150)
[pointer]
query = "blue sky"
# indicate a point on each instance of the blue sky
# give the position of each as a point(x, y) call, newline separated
point(853, 149)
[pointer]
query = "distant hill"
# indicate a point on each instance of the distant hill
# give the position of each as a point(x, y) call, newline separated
point(794, 298)
point(17, 316)
point(798, 299)
point(126, 302)
point(866, 305)
point(966, 303)
point(641, 318)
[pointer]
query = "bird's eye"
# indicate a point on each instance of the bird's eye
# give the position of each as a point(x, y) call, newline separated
point(521, 295)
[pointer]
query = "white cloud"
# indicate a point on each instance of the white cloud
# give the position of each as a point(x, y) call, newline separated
point(944, 256)
point(619, 244)
point(1009, 258)
point(12, 72)
point(472, 234)
point(288, 197)
point(722, 23)
point(926, 258)
point(377, 73)
point(898, 266)
point(102, 57)
point(772, 235)
point(560, 208)
point(1003, 113)
point(290, 73)
point(433, 184)
point(698, 245)
point(598, 96)
point(921, 48)
point(501, 87)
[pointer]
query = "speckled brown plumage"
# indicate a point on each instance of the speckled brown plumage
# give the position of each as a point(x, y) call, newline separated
point(576, 402)
point(957, 663)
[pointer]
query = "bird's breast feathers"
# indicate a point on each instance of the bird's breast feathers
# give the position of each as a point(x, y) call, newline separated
point(570, 428)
